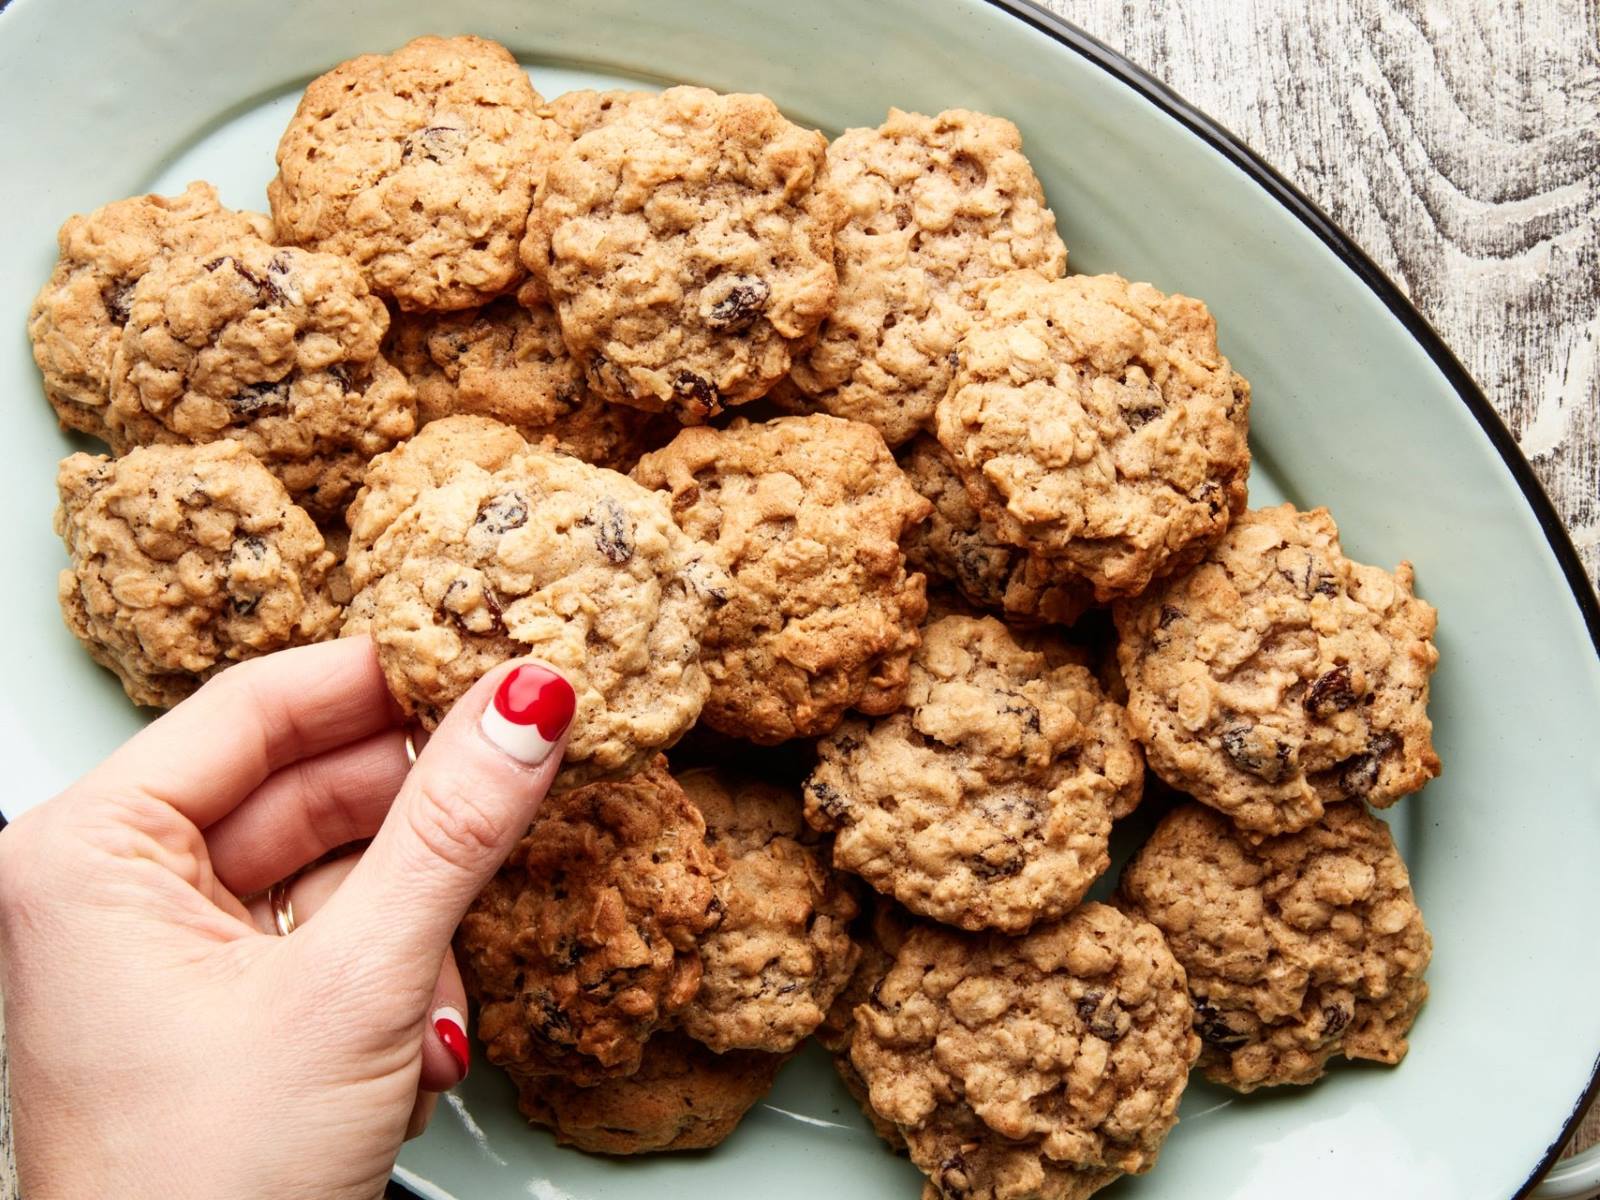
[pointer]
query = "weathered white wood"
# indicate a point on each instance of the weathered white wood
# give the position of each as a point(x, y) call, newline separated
point(1459, 143)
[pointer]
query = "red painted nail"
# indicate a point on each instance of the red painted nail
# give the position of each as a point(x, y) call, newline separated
point(530, 711)
point(450, 1025)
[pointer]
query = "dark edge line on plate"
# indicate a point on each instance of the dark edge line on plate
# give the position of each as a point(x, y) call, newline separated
point(1229, 145)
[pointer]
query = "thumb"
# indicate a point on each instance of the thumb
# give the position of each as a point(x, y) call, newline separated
point(472, 793)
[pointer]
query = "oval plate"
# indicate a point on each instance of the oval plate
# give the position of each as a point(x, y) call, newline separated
point(1358, 406)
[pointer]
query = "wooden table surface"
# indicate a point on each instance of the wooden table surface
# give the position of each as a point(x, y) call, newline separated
point(1458, 142)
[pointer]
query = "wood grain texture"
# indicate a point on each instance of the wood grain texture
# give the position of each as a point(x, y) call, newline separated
point(1457, 142)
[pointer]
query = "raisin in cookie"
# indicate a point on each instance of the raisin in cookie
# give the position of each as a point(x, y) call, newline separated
point(76, 320)
point(1279, 677)
point(1095, 421)
point(507, 362)
point(938, 207)
point(807, 513)
point(419, 166)
point(683, 1097)
point(959, 546)
point(688, 248)
point(782, 951)
point(987, 801)
point(336, 535)
point(1298, 948)
point(186, 559)
point(587, 940)
point(542, 556)
point(274, 348)
point(1027, 1067)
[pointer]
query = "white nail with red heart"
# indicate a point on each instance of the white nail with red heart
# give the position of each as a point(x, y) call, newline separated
point(530, 711)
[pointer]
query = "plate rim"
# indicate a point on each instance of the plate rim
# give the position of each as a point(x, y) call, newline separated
point(1227, 143)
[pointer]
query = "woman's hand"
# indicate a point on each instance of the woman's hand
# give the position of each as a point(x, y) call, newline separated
point(162, 1044)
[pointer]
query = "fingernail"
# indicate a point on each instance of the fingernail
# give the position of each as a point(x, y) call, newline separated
point(530, 711)
point(450, 1025)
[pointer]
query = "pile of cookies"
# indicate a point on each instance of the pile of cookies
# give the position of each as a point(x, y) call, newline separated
point(926, 552)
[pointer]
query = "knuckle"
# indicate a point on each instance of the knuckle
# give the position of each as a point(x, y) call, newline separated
point(236, 679)
point(457, 822)
point(246, 683)
point(322, 814)
point(122, 816)
point(227, 690)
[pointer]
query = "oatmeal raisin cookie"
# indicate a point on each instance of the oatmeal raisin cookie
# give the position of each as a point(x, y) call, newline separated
point(1095, 421)
point(807, 514)
point(487, 549)
point(1279, 677)
point(419, 166)
point(987, 801)
point(1298, 949)
point(688, 247)
point(782, 951)
point(588, 939)
point(76, 320)
point(186, 559)
point(1035, 1066)
point(272, 347)
point(939, 207)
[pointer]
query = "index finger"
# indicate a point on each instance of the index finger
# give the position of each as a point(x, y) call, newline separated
point(220, 744)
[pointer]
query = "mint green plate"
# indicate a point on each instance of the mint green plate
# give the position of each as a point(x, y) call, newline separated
point(1357, 406)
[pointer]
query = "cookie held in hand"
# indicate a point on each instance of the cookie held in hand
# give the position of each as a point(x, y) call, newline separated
point(471, 548)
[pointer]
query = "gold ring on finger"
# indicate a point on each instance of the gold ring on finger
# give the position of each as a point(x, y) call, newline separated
point(282, 908)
